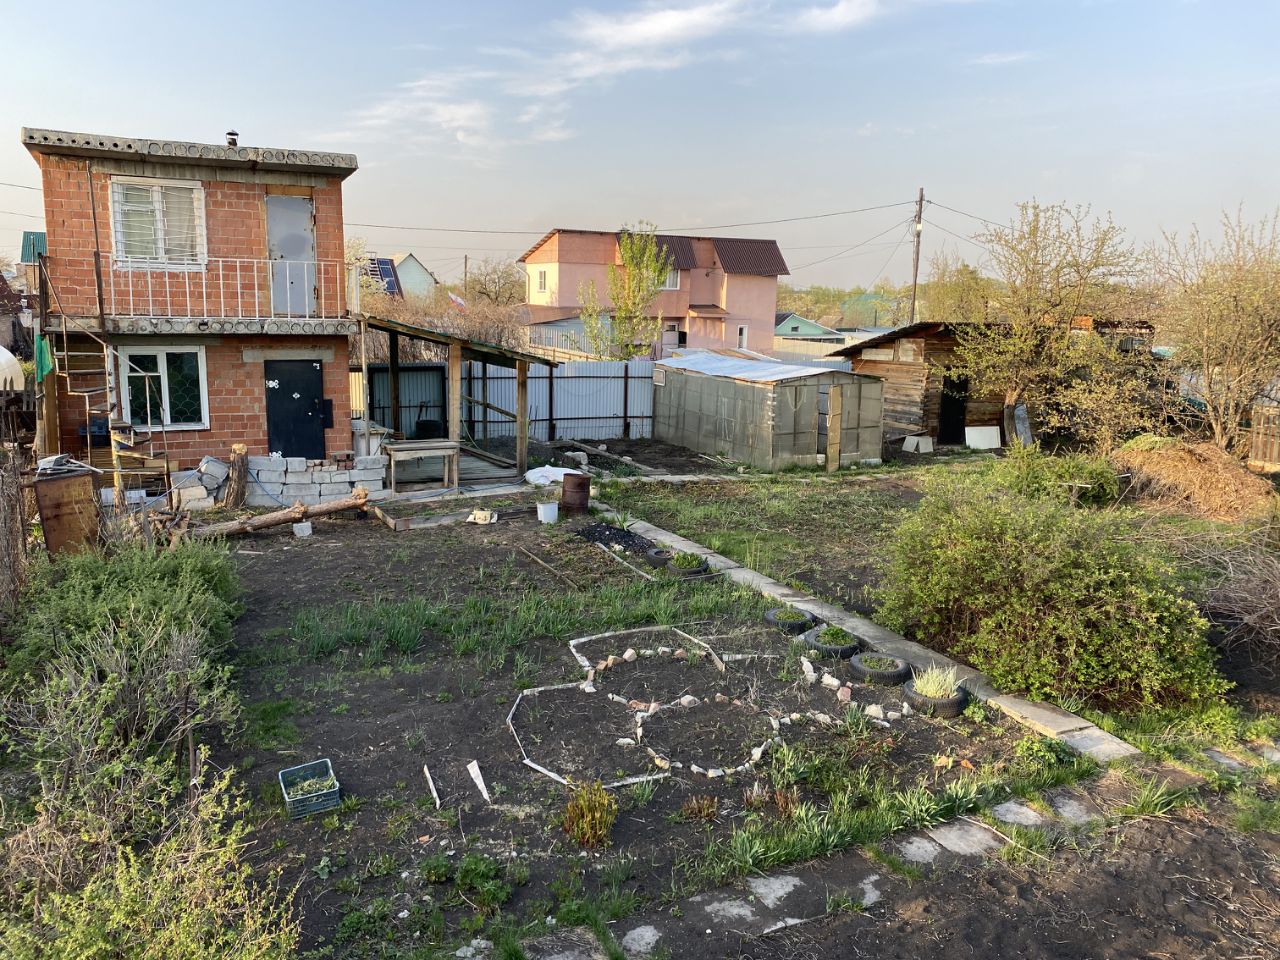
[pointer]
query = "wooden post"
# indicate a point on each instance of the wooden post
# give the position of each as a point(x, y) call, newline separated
point(551, 403)
point(522, 416)
point(626, 399)
point(454, 399)
point(484, 399)
point(393, 378)
point(835, 416)
point(364, 379)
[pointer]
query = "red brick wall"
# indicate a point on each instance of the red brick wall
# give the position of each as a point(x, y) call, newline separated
point(237, 401)
point(235, 228)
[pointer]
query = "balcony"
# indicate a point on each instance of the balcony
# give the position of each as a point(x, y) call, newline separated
point(223, 294)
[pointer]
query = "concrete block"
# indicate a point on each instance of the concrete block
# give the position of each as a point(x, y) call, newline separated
point(212, 467)
point(330, 497)
point(186, 478)
point(378, 495)
point(291, 490)
point(372, 485)
point(356, 476)
point(338, 476)
point(210, 483)
point(276, 488)
point(296, 463)
point(300, 476)
point(266, 463)
point(371, 463)
point(302, 529)
point(1098, 744)
point(335, 489)
point(270, 476)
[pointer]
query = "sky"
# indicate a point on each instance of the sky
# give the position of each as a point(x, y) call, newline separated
point(693, 115)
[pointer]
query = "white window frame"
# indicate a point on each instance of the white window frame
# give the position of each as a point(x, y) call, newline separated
point(122, 262)
point(542, 281)
point(743, 329)
point(666, 282)
point(158, 351)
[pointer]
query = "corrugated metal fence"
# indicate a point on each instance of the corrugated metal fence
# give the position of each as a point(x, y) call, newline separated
point(579, 400)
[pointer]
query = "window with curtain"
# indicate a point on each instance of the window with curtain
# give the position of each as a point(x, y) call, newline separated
point(158, 222)
point(165, 386)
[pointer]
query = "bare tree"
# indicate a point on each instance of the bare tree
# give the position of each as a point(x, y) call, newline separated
point(1221, 314)
point(499, 282)
point(1051, 265)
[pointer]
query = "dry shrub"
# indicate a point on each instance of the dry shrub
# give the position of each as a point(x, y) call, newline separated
point(589, 815)
point(1195, 476)
point(702, 807)
point(1244, 599)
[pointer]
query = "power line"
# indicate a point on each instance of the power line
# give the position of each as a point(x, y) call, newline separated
point(19, 186)
point(15, 213)
point(394, 226)
point(958, 236)
point(971, 216)
point(813, 216)
point(846, 250)
point(892, 253)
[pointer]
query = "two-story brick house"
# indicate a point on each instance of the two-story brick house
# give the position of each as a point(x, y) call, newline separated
point(196, 293)
point(721, 291)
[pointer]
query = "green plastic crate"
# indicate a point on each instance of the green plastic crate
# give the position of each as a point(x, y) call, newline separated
point(314, 802)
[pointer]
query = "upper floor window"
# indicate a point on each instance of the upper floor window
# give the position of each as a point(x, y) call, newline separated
point(542, 281)
point(157, 222)
point(673, 279)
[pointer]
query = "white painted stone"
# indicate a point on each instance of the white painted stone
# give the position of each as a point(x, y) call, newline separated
point(830, 681)
point(875, 711)
point(893, 715)
point(906, 709)
point(641, 941)
point(771, 891)
point(1017, 812)
point(689, 700)
point(810, 674)
point(967, 839)
point(629, 655)
point(624, 742)
point(919, 849)
point(664, 651)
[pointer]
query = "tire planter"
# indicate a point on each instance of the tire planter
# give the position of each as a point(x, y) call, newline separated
point(658, 556)
point(888, 677)
point(793, 627)
point(944, 708)
point(698, 571)
point(813, 640)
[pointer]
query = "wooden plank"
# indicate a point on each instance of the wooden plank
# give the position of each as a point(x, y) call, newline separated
point(835, 414)
point(455, 391)
point(393, 377)
point(522, 416)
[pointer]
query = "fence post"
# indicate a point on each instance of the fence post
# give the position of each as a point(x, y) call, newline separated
point(626, 399)
point(551, 403)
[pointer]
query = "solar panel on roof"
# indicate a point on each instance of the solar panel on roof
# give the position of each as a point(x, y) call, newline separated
point(384, 269)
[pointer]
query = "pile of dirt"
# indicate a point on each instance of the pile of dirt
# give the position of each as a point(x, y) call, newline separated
point(1198, 476)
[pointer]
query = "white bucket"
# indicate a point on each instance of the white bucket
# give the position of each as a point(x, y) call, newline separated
point(549, 512)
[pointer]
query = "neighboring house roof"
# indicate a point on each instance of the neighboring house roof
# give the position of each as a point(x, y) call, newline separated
point(34, 243)
point(145, 150)
point(399, 258)
point(759, 257)
point(10, 299)
point(529, 313)
point(762, 258)
point(712, 364)
point(806, 327)
point(384, 269)
point(897, 333)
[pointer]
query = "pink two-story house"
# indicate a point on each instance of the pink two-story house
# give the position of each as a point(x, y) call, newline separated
point(721, 291)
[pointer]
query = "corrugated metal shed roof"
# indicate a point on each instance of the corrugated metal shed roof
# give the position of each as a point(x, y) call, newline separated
point(34, 243)
point(736, 368)
point(896, 334)
point(680, 248)
point(758, 257)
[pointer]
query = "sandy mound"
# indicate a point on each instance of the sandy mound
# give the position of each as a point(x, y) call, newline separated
point(1197, 476)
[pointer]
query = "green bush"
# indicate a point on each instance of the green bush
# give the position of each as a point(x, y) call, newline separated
point(1072, 477)
point(1047, 599)
point(80, 595)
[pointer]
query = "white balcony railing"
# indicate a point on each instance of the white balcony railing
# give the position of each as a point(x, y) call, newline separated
point(241, 289)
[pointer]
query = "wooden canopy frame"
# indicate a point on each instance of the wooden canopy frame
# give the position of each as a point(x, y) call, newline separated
point(460, 349)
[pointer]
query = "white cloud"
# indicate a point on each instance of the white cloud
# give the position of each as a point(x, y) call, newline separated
point(838, 16)
point(1001, 59)
point(651, 26)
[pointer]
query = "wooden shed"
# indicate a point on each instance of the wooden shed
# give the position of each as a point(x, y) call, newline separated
point(918, 397)
point(768, 414)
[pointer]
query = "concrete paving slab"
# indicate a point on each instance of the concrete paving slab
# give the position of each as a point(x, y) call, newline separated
point(772, 890)
point(1225, 761)
point(1043, 718)
point(871, 895)
point(1098, 744)
point(640, 941)
point(919, 849)
point(1269, 754)
point(1072, 806)
point(565, 945)
point(965, 838)
point(1017, 812)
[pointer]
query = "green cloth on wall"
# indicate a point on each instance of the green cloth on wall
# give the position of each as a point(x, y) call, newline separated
point(43, 357)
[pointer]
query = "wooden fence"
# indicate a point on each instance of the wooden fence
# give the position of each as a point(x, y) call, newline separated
point(1264, 439)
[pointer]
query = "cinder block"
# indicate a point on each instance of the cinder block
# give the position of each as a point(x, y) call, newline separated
point(378, 495)
point(358, 476)
point(186, 478)
point(302, 529)
point(270, 476)
point(330, 497)
point(296, 463)
point(300, 476)
point(266, 463)
point(291, 490)
point(275, 488)
point(210, 467)
point(372, 485)
point(335, 489)
point(370, 463)
point(338, 476)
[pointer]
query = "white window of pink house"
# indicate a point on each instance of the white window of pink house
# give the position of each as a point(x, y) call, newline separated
point(673, 279)
point(542, 281)
point(742, 336)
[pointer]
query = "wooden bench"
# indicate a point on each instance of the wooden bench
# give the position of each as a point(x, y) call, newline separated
point(447, 450)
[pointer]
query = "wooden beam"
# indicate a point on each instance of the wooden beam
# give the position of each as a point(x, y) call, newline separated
point(522, 416)
point(393, 377)
point(454, 398)
point(835, 415)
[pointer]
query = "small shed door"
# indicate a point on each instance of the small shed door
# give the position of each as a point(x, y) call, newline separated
point(291, 246)
point(295, 408)
point(952, 410)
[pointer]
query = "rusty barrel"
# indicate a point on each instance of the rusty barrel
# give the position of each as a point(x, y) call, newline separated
point(575, 493)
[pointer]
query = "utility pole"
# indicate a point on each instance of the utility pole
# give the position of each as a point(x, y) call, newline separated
point(915, 254)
